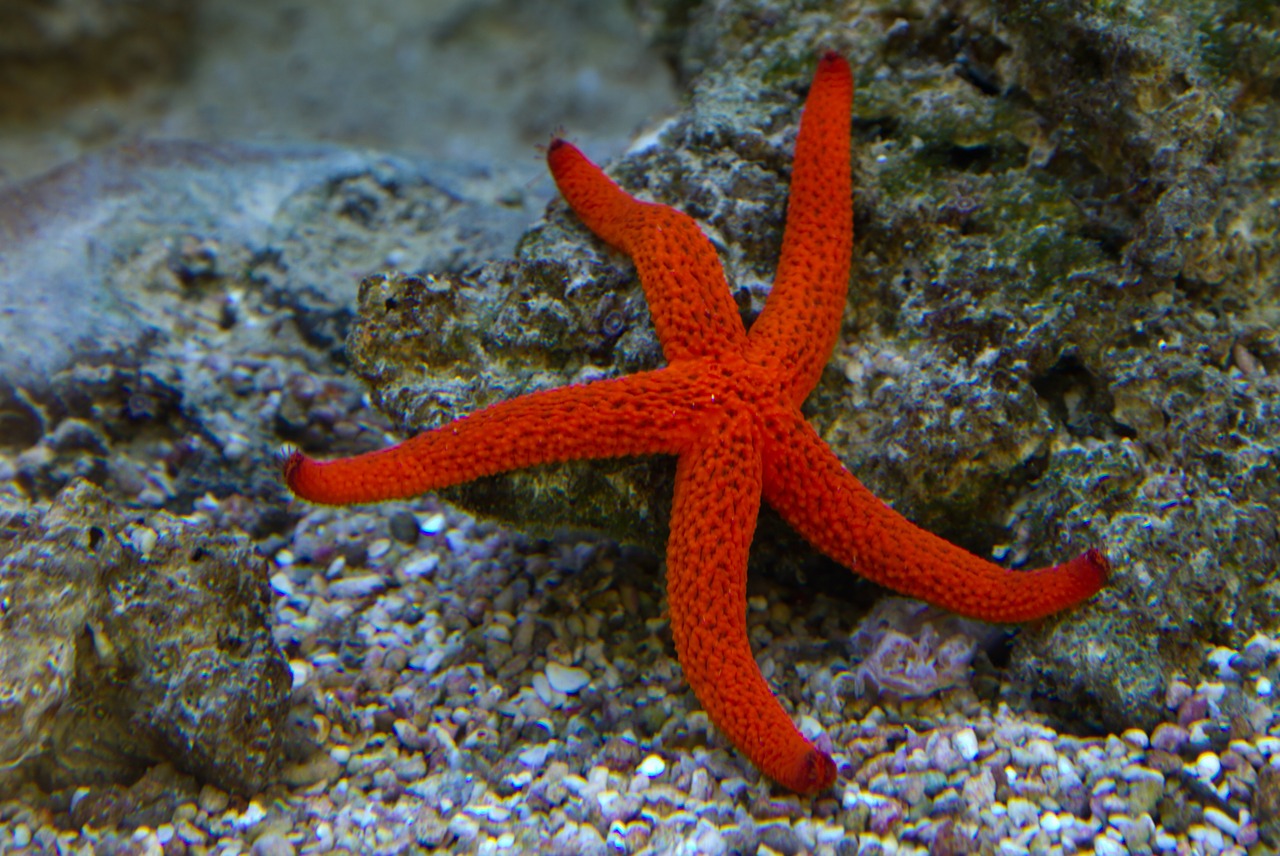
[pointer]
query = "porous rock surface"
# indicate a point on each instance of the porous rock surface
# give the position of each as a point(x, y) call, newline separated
point(127, 640)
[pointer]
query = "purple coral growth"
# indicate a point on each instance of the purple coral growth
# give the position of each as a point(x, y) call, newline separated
point(913, 650)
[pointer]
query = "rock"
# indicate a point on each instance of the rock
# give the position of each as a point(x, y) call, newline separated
point(652, 766)
point(966, 743)
point(213, 800)
point(566, 679)
point(404, 527)
point(272, 844)
point(354, 588)
point(150, 801)
point(112, 660)
point(1266, 804)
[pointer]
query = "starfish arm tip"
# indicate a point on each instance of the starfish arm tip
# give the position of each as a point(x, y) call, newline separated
point(291, 461)
point(1069, 584)
point(833, 62)
point(562, 156)
point(1094, 566)
point(1056, 588)
point(815, 772)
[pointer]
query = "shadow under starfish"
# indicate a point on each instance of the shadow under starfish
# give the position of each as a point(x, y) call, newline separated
point(728, 406)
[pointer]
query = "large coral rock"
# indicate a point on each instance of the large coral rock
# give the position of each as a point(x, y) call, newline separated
point(128, 640)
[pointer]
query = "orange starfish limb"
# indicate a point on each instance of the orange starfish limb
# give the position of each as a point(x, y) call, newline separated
point(651, 413)
point(727, 404)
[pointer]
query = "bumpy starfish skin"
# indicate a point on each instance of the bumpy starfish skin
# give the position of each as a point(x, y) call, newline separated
point(727, 404)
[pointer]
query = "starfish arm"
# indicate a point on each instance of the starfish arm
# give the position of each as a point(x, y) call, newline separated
point(811, 489)
point(713, 517)
point(692, 310)
point(642, 414)
point(799, 325)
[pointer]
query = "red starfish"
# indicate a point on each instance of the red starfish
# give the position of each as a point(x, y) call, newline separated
point(728, 406)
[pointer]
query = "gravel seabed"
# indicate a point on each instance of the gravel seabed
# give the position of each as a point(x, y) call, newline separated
point(462, 688)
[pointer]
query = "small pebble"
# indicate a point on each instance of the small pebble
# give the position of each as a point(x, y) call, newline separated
point(1209, 838)
point(1261, 641)
point(272, 844)
point(403, 526)
point(1022, 813)
point(423, 566)
point(252, 815)
point(1176, 694)
point(966, 743)
point(1194, 709)
point(143, 539)
point(1211, 691)
point(1105, 845)
point(566, 679)
point(535, 757)
point(301, 671)
point(830, 834)
point(354, 588)
point(1207, 766)
point(652, 766)
point(1219, 818)
point(1136, 737)
point(711, 841)
point(464, 827)
point(320, 767)
point(1040, 752)
point(212, 800)
point(543, 689)
point(395, 660)
point(1168, 737)
point(497, 633)
point(21, 835)
point(491, 813)
point(1221, 660)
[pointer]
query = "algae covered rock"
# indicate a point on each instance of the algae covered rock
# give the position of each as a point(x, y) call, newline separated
point(127, 640)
